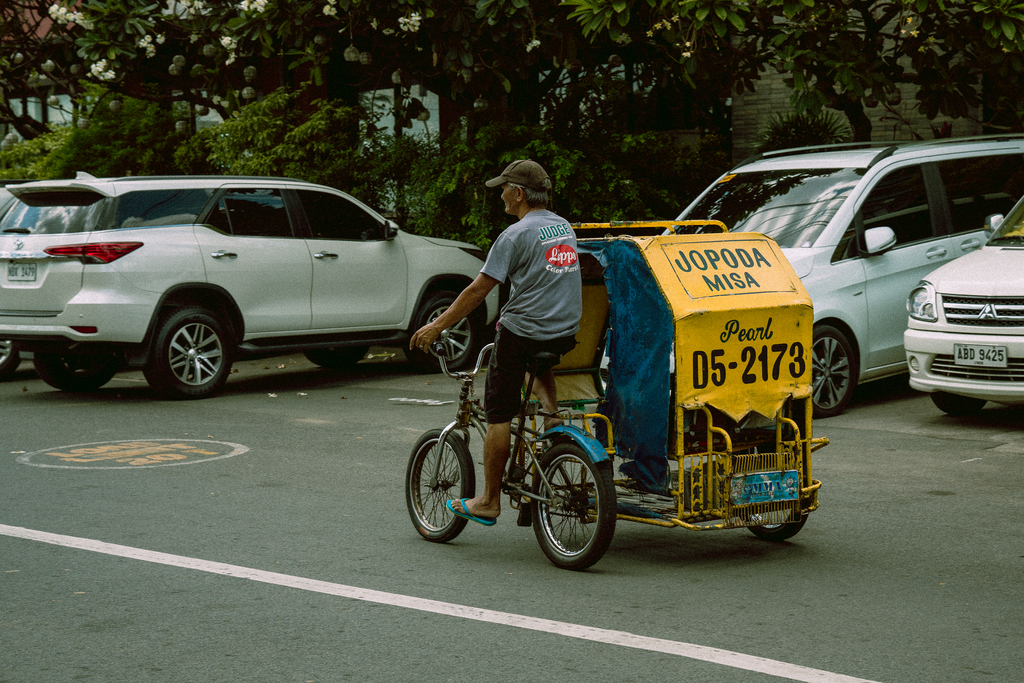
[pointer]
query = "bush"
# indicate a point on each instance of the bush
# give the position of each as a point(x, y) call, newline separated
point(803, 129)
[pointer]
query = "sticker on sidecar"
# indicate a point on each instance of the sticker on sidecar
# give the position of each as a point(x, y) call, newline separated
point(765, 487)
point(721, 268)
point(139, 454)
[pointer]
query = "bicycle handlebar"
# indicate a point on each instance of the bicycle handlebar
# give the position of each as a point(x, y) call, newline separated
point(439, 348)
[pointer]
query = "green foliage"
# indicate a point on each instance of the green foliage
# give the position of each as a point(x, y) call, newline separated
point(800, 129)
point(596, 179)
point(140, 139)
point(27, 159)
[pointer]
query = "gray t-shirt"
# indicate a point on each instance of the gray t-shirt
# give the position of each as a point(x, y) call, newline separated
point(537, 255)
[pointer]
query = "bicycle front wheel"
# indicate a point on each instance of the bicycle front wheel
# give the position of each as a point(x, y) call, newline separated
point(426, 494)
point(576, 526)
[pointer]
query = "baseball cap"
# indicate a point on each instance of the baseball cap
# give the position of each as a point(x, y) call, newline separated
point(523, 172)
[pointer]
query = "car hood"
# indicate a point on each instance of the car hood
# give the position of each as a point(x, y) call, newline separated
point(801, 260)
point(990, 271)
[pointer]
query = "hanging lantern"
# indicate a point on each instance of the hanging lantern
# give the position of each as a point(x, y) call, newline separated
point(320, 39)
point(174, 70)
point(365, 58)
point(181, 126)
point(116, 106)
point(614, 61)
point(6, 145)
point(248, 92)
point(396, 77)
point(76, 69)
point(18, 58)
point(480, 104)
point(179, 60)
point(424, 115)
point(209, 50)
point(202, 109)
point(48, 66)
point(351, 53)
point(53, 101)
point(249, 73)
point(83, 123)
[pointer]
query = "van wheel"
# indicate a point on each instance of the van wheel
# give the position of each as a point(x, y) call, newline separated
point(951, 404)
point(463, 337)
point(76, 372)
point(10, 359)
point(836, 370)
point(191, 355)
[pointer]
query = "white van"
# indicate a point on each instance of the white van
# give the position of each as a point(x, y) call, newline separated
point(965, 342)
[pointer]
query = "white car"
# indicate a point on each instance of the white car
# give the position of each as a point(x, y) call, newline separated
point(965, 338)
point(861, 225)
point(180, 276)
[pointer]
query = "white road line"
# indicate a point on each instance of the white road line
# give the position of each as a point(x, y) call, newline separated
point(699, 652)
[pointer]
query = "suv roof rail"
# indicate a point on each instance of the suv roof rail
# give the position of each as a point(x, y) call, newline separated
point(887, 148)
point(201, 177)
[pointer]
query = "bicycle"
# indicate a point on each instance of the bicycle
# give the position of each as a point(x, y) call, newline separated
point(560, 479)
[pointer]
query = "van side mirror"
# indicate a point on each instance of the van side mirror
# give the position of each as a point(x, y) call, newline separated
point(390, 229)
point(879, 240)
point(993, 222)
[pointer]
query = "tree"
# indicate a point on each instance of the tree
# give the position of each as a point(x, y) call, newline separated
point(844, 54)
point(507, 53)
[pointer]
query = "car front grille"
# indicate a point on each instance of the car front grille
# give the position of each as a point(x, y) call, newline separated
point(980, 311)
point(1013, 372)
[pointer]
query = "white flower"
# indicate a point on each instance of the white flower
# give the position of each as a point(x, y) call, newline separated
point(228, 42)
point(410, 23)
point(532, 45)
point(100, 71)
point(253, 6)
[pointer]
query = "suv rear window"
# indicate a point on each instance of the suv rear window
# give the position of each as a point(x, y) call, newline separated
point(790, 206)
point(83, 211)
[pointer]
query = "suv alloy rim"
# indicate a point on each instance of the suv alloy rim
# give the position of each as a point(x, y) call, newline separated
point(195, 354)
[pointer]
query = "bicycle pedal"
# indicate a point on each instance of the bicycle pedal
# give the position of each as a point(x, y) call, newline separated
point(525, 516)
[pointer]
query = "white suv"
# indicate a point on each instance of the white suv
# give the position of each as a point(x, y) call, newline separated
point(183, 275)
point(862, 224)
point(965, 342)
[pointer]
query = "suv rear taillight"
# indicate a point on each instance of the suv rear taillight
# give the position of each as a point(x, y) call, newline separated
point(103, 252)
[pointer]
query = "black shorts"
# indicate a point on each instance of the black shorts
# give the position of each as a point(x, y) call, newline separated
point(510, 361)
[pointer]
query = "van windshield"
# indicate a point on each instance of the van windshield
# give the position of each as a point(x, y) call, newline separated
point(790, 206)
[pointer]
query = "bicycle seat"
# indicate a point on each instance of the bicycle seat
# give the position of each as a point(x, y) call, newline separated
point(544, 361)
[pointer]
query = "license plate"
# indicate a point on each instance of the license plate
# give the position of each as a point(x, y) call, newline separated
point(765, 487)
point(979, 355)
point(21, 272)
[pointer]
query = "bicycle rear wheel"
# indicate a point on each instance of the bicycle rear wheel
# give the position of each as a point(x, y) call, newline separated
point(576, 528)
point(455, 479)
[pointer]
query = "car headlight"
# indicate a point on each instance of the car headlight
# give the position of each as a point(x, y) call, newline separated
point(921, 303)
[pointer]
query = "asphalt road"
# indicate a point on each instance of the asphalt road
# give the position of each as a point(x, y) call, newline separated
point(262, 535)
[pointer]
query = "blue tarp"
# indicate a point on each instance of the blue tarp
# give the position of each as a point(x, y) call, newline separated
point(638, 397)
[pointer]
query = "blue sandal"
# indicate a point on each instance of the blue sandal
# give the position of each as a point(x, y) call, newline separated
point(466, 514)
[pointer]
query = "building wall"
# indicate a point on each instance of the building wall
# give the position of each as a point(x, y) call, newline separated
point(752, 111)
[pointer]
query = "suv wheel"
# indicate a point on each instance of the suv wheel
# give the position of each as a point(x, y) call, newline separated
point(463, 337)
point(76, 372)
point(337, 358)
point(952, 404)
point(10, 359)
point(191, 356)
point(835, 371)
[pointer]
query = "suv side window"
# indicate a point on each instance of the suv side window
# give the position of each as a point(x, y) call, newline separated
point(982, 186)
point(251, 212)
point(900, 201)
point(332, 217)
point(160, 207)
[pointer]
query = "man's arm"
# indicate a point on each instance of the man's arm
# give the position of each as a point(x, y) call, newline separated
point(471, 297)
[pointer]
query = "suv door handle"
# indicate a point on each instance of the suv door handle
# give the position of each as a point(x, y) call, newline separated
point(324, 254)
point(224, 254)
point(935, 252)
point(970, 245)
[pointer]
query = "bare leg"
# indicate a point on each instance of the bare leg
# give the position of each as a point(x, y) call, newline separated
point(497, 448)
point(544, 388)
